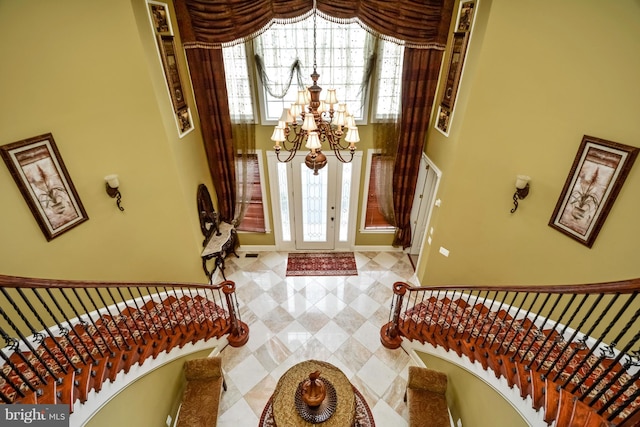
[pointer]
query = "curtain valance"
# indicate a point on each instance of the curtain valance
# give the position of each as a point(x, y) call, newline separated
point(421, 24)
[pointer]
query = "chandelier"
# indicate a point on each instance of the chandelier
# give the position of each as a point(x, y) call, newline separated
point(319, 123)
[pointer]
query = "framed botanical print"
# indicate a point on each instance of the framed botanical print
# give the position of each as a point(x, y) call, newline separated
point(595, 179)
point(38, 170)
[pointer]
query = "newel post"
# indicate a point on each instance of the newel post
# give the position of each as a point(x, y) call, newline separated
point(390, 332)
point(238, 330)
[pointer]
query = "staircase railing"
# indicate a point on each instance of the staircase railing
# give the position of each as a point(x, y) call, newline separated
point(65, 338)
point(573, 349)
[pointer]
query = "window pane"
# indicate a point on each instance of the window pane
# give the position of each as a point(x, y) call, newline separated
point(284, 201)
point(345, 202)
point(314, 204)
point(373, 218)
point(388, 84)
point(342, 54)
point(238, 86)
point(254, 218)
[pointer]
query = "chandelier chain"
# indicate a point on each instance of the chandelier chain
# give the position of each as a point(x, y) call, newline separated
point(315, 27)
point(316, 129)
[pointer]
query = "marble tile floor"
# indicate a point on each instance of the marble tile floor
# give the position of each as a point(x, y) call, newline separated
point(329, 318)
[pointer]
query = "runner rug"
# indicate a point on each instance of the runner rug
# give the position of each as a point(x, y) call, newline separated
point(322, 264)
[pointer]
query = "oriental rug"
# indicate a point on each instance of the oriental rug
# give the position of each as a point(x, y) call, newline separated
point(322, 264)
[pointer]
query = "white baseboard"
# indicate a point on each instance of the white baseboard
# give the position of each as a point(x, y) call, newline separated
point(257, 248)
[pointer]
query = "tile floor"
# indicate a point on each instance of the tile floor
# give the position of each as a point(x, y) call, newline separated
point(335, 319)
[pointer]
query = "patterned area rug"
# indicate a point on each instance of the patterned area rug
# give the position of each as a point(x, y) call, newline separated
point(322, 264)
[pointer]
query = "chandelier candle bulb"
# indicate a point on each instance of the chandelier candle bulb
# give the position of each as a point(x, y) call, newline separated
point(331, 97)
point(309, 123)
point(278, 135)
point(295, 111)
point(285, 117)
point(352, 137)
point(313, 142)
point(302, 98)
point(350, 122)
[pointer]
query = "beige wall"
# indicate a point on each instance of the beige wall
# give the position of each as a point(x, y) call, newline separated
point(471, 400)
point(88, 73)
point(539, 76)
point(147, 401)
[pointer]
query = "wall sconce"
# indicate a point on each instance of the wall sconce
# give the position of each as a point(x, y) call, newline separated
point(522, 190)
point(112, 184)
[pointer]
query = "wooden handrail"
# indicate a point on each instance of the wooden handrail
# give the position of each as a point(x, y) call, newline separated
point(84, 332)
point(31, 282)
point(621, 286)
point(581, 339)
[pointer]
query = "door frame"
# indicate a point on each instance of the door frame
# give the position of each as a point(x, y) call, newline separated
point(276, 213)
point(422, 212)
point(330, 198)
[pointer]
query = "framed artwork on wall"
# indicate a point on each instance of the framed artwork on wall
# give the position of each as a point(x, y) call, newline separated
point(444, 116)
point(38, 170)
point(456, 61)
point(457, 53)
point(170, 64)
point(465, 17)
point(595, 179)
point(160, 18)
point(185, 124)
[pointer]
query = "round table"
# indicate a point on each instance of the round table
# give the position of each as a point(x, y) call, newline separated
point(283, 399)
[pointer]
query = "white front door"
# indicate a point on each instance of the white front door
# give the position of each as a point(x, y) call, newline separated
point(315, 205)
point(314, 212)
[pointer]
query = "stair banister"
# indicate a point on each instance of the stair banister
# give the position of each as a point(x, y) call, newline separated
point(602, 387)
point(390, 334)
point(91, 331)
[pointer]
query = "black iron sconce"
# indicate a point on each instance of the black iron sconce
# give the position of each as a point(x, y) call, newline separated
point(522, 190)
point(112, 184)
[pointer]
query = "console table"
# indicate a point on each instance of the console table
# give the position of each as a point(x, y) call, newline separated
point(221, 242)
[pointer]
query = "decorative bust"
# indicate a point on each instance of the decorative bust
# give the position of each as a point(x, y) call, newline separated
point(313, 390)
